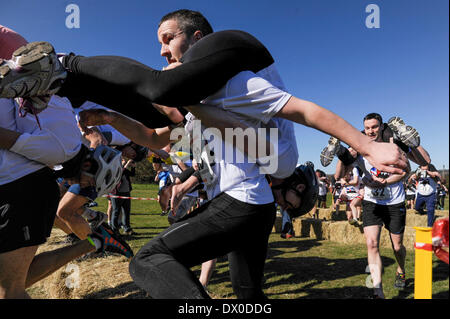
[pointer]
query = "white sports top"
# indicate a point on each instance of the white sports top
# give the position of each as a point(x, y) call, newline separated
point(389, 195)
point(255, 98)
point(58, 140)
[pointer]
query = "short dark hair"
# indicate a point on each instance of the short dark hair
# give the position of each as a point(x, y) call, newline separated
point(371, 116)
point(189, 21)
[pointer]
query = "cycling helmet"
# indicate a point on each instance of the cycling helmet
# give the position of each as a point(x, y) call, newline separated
point(107, 170)
point(303, 174)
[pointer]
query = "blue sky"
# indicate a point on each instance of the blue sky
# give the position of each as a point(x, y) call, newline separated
point(323, 50)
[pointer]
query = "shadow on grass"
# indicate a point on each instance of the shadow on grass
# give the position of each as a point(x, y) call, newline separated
point(351, 292)
point(295, 271)
point(161, 228)
point(408, 292)
point(129, 289)
point(303, 245)
point(441, 295)
point(440, 271)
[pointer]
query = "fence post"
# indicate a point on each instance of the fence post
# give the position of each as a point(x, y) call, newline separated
point(423, 269)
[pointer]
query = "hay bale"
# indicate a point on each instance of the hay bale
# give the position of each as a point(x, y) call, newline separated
point(343, 232)
point(437, 212)
point(309, 227)
point(413, 218)
point(103, 276)
point(277, 226)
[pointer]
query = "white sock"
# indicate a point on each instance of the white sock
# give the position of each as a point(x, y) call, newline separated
point(97, 242)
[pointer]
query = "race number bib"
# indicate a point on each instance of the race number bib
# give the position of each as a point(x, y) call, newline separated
point(384, 193)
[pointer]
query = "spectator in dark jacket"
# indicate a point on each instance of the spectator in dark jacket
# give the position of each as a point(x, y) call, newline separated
point(119, 204)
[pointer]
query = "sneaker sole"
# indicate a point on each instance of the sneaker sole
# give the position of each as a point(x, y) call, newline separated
point(409, 134)
point(23, 56)
point(27, 54)
point(327, 156)
point(32, 52)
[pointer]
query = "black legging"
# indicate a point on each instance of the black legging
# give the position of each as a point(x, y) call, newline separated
point(219, 227)
point(130, 87)
point(347, 159)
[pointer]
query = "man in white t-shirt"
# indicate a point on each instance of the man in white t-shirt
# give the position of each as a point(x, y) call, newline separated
point(411, 190)
point(26, 151)
point(350, 194)
point(383, 204)
point(427, 177)
point(250, 186)
point(29, 195)
point(323, 189)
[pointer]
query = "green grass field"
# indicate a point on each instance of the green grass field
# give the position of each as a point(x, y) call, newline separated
point(295, 268)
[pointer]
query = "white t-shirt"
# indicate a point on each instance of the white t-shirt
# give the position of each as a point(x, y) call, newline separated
point(13, 166)
point(352, 191)
point(257, 96)
point(428, 188)
point(286, 155)
point(58, 140)
point(389, 195)
point(241, 181)
point(322, 188)
point(254, 98)
point(410, 191)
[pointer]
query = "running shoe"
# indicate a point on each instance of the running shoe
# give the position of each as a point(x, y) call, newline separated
point(164, 212)
point(111, 241)
point(286, 235)
point(400, 281)
point(353, 222)
point(34, 70)
point(327, 155)
point(405, 133)
point(96, 221)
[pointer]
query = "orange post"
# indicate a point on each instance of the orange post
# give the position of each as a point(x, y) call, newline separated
point(423, 272)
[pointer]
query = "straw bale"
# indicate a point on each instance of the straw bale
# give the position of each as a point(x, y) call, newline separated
point(343, 232)
point(103, 276)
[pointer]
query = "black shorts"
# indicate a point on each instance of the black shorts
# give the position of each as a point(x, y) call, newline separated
point(27, 210)
point(393, 217)
point(410, 197)
point(322, 198)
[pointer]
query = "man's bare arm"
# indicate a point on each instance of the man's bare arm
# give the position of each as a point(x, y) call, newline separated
point(134, 130)
point(384, 156)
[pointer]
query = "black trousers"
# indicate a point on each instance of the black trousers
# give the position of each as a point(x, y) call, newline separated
point(220, 227)
point(117, 205)
point(130, 87)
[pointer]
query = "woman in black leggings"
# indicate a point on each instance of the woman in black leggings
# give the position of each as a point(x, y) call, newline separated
point(130, 87)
